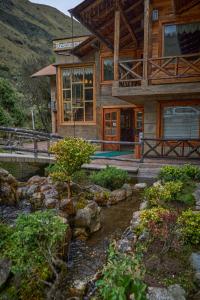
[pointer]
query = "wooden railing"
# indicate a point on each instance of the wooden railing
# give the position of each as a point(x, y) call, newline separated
point(172, 69)
point(173, 148)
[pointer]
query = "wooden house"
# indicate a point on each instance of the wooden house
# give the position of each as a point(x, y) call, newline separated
point(136, 76)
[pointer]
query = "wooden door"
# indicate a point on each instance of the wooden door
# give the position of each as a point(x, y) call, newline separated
point(111, 128)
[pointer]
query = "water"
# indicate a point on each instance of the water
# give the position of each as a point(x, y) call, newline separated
point(87, 258)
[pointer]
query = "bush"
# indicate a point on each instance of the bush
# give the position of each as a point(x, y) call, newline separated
point(189, 222)
point(71, 154)
point(185, 173)
point(121, 277)
point(160, 193)
point(111, 178)
point(33, 246)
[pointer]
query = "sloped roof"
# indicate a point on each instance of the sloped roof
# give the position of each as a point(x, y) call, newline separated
point(47, 71)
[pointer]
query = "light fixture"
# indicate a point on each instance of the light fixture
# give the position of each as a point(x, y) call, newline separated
point(155, 15)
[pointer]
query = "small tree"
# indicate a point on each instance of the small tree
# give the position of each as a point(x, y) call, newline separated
point(70, 154)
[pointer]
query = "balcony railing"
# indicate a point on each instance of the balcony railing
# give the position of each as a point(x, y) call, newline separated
point(161, 70)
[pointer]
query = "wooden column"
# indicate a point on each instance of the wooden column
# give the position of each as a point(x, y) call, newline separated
point(116, 44)
point(146, 41)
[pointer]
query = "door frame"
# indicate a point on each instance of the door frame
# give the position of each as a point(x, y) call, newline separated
point(134, 107)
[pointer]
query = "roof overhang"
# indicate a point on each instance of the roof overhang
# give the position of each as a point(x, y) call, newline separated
point(47, 71)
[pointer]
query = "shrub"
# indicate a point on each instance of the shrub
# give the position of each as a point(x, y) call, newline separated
point(162, 225)
point(185, 173)
point(33, 247)
point(121, 277)
point(111, 178)
point(160, 193)
point(71, 154)
point(189, 222)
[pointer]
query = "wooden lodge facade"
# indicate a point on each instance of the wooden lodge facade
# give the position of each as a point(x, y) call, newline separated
point(136, 76)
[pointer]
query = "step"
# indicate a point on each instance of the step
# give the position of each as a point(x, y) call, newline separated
point(92, 166)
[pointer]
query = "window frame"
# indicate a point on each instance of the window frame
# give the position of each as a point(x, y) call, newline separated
point(176, 21)
point(163, 104)
point(60, 93)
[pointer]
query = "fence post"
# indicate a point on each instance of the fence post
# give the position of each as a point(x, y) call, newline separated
point(142, 151)
point(35, 147)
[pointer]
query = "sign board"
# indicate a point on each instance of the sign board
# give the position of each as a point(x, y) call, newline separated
point(68, 43)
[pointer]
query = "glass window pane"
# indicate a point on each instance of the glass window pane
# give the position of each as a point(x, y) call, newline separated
point(67, 95)
point(88, 77)
point(114, 116)
point(67, 111)
point(78, 114)
point(88, 94)
point(77, 95)
point(181, 122)
point(77, 75)
point(89, 111)
point(180, 39)
point(66, 78)
point(107, 116)
point(108, 66)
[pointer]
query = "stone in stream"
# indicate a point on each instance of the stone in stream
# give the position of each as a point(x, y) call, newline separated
point(117, 196)
point(195, 263)
point(129, 189)
point(140, 186)
point(173, 292)
point(5, 268)
point(135, 220)
point(8, 188)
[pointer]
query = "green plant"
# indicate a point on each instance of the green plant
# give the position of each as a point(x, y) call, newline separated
point(122, 277)
point(33, 246)
point(80, 177)
point(70, 154)
point(184, 173)
point(82, 203)
point(160, 193)
point(111, 178)
point(189, 222)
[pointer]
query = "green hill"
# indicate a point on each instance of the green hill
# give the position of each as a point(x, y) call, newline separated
point(27, 29)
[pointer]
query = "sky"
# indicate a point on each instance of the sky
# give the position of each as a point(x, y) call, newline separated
point(62, 5)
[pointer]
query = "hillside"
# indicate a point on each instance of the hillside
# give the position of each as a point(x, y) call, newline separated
point(27, 29)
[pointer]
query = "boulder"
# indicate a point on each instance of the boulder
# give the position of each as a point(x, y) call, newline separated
point(80, 233)
point(51, 203)
point(38, 180)
point(88, 217)
point(135, 219)
point(96, 189)
point(129, 189)
point(37, 201)
point(51, 193)
point(8, 188)
point(143, 205)
point(32, 189)
point(5, 269)
point(125, 245)
point(117, 196)
point(140, 186)
point(102, 198)
point(67, 206)
point(195, 263)
point(78, 288)
point(173, 292)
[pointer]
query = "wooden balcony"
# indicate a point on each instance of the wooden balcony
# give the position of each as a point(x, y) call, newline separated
point(165, 76)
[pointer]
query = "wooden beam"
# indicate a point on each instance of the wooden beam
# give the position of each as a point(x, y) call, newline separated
point(188, 6)
point(146, 41)
point(116, 44)
point(126, 22)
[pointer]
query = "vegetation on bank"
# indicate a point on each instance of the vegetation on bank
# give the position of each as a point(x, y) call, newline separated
point(33, 246)
point(170, 231)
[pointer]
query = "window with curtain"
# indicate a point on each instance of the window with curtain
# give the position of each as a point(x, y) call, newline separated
point(181, 122)
point(108, 67)
point(78, 94)
point(181, 39)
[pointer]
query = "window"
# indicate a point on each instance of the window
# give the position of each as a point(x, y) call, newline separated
point(108, 69)
point(78, 94)
point(181, 122)
point(180, 39)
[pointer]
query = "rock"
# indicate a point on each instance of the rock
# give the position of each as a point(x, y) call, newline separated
point(195, 263)
point(102, 198)
point(37, 201)
point(76, 188)
point(80, 233)
point(197, 197)
point(89, 217)
point(143, 205)
point(117, 196)
point(173, 292)
point(51, 193)
point(5, 268)
point(67, 206)
point(36, 180)
point(129, 190)
point(140, 186)
point(135, 219)
point(8, 188)
point(32, 189)
point(45, 187)
point(125, 245)
point(22, 192)
point(51, 203)
point(78, 288)
point(96, 189)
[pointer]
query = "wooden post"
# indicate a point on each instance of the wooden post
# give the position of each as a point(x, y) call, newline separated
point(146, 42)
point(116, 43)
